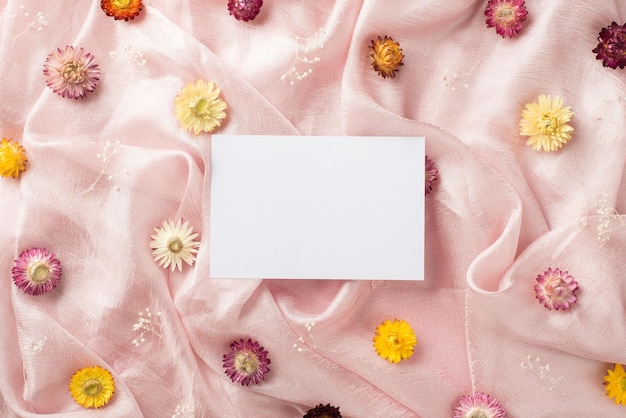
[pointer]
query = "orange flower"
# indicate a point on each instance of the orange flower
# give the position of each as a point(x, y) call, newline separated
point(386, 56)
point(121, 9)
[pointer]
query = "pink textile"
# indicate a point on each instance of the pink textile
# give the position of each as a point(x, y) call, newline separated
point(499, 215)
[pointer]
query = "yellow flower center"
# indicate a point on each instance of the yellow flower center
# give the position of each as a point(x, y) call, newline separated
point(73, 72)
point(92, 387)
point(201, 106)
point(505, 14)
point(175, 245)
point(547, 124)
point(477, 413)
point(246, 363)
point(622, 383)
point(393, 341)
point(122, 4)
point(39, 272)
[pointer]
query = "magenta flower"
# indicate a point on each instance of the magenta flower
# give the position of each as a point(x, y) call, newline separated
point(479, 405)
point(431, 175)
point(71, 72)
point(323, 411)
point(244, 9)
point(506, 15)
point(246, 362)
point(36, 271)
point(612, 47)
point(556, 289)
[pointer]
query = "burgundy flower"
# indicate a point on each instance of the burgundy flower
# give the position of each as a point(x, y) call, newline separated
point(244, 9)
point(323, 411)
point(431, 175)
point(612, 47)
point(506, 15)
point(246, 362)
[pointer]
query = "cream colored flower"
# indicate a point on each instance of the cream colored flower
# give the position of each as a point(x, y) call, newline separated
point(174, 243)
point(199, 107)
point(545, 124)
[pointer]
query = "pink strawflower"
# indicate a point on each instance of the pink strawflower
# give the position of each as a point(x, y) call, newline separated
point(556, 289)
point(479, 405)
point(36, 271)
point(71, 72)
point(246, 362)
point(612, 47)
point(244, 9)
point(431, 175)
point(506, 15)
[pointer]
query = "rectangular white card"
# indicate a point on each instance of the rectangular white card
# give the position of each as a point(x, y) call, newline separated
point(303, 207)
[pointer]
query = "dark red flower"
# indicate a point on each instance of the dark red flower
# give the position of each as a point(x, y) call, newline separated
point(612, 47)
point(323, 411)
point(244, 9)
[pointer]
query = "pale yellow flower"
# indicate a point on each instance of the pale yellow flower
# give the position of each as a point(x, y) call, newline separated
point(545, 124)
point(199, 108)
point(12, 158)
point(92, 387)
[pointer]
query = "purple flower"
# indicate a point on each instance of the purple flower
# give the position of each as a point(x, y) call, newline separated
point(479, 405)
point(431, 175)
point(71, 72)
point(246, 362)
point(36, 271)
point(506, 15)
point(323, 411)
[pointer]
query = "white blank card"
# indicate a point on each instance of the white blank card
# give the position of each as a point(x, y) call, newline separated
point(302, 207)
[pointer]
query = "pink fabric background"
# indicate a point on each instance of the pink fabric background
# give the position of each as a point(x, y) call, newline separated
point(499, 215)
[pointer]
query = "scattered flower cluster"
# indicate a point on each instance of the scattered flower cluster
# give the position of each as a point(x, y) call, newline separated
point(394, 341)
point(73, 73)
point(92, 387)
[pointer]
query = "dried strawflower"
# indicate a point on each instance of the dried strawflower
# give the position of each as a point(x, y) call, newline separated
point(12, 158)
point(386, 56)
point(615, 381)
point(244, 9)
point(71, 72)
point(506, 15)
point(246, 362)
point(121, 9)
point(612, 47)
point(395, 340)
point(479, 405)
point(174, 243)
point(323, 411)
point(199, 107)
point(430, 175)
point(92, 387)
point(36, 271)
point(556, 289)
point(546, 124)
